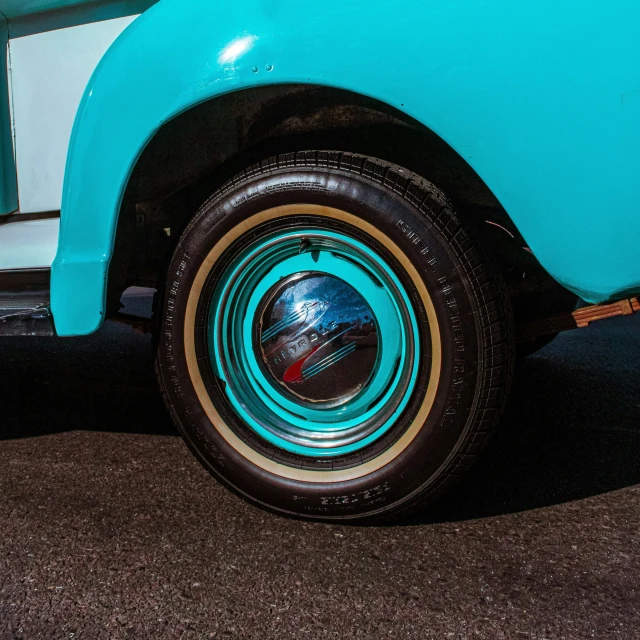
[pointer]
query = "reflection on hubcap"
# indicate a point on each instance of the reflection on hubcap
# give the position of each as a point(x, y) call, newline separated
point(318, 338)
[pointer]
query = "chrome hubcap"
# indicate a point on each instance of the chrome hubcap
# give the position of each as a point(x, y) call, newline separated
point(317, 339)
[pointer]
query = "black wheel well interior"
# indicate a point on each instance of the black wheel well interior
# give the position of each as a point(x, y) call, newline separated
point(197, 151)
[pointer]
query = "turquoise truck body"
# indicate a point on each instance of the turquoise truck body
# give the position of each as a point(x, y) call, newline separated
point(540, 97)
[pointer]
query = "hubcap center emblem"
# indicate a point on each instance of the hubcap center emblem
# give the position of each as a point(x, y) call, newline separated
point(317, 338)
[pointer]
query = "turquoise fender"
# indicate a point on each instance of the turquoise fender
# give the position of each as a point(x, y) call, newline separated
point(541, 97)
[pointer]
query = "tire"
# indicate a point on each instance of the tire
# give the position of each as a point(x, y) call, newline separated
point(366, 264)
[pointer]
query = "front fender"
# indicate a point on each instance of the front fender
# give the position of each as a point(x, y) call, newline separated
point(536, 96)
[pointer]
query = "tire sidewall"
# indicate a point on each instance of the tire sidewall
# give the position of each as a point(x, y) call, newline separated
point(444, 260)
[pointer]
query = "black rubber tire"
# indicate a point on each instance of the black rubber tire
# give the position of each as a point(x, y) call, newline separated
point(469, 300)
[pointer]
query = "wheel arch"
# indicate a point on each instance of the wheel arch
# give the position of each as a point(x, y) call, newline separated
point(198, 150)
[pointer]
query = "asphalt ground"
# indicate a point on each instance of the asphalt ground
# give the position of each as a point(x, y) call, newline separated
point(110, 529)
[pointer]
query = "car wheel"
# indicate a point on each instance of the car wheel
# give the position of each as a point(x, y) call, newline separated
point(334, 344)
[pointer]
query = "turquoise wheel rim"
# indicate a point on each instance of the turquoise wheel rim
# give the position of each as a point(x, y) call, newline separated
point(315, 340)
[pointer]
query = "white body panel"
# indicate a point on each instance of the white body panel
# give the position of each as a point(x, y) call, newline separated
point(28, 244)
point(49, 73)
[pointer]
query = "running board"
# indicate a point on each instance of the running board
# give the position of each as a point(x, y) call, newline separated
point(25, 303)
point(579, 318)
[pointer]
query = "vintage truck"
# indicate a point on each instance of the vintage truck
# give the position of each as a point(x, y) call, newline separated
point(354, 215)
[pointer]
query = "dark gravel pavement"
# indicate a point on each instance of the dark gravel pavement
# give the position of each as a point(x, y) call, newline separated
point(110, 529)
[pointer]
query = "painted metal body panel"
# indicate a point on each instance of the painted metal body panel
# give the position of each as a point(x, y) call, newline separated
point(49, 74)
point(8, 190)
point(18, 8)
point(28, 244)
point(66, 14)
point(541, 98)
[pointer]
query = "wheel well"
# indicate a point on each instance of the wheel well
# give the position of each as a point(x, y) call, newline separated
point(196, 152)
